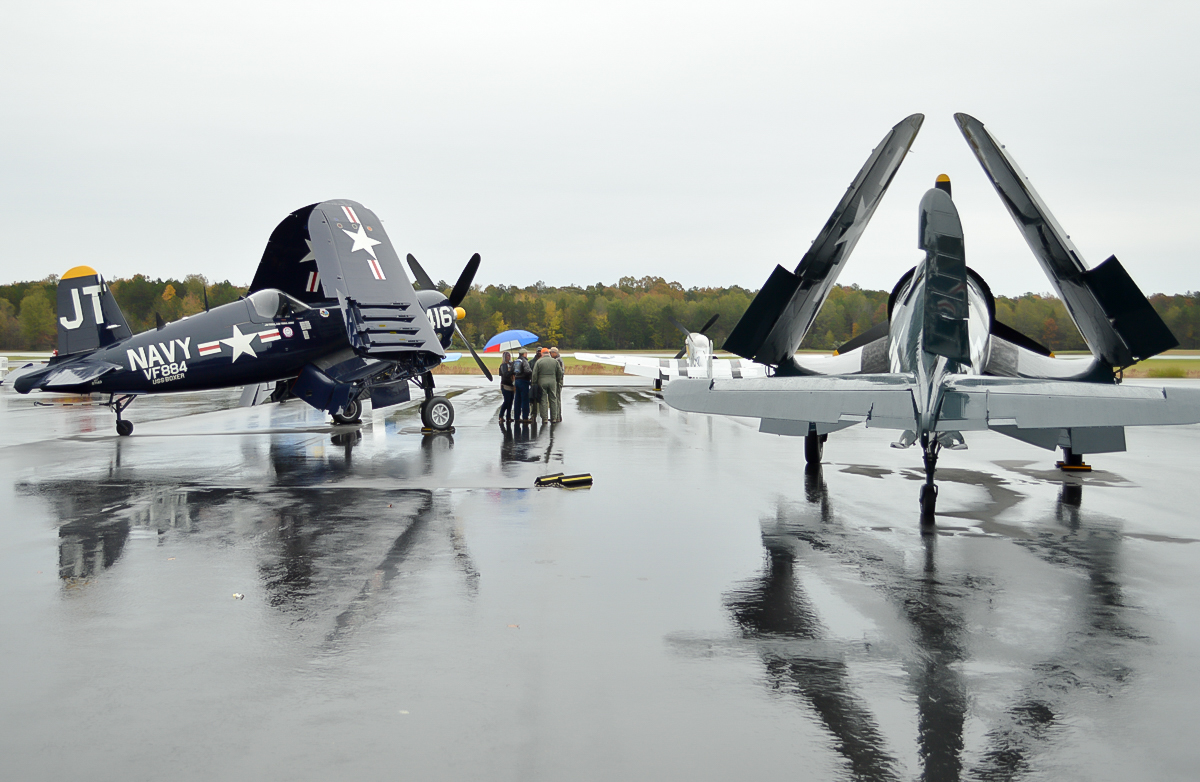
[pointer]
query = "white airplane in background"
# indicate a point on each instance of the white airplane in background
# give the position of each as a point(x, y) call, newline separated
point(696, 359)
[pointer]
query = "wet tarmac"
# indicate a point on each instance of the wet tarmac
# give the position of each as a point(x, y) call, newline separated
point(411, 607)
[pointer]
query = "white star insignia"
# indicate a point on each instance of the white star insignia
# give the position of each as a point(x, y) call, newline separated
point(857, 227)
point(241, 343)
point(362, 241)
point(311, 255)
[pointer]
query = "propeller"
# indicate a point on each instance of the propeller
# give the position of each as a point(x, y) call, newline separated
point(487, 373)
point(460, 291)
point(463, 286)
point(419, 274)
point(687, 332)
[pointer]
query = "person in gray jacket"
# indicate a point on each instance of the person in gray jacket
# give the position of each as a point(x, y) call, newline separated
point(547, 375)
point(554, 354)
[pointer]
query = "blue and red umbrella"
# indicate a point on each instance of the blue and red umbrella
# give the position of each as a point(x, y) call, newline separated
point(508, 340)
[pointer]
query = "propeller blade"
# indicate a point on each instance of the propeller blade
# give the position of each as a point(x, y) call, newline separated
point(681, 353)
point(419, 274)
point(711, 321)
point(487, 372)
point(686, 331)
point(463, 286)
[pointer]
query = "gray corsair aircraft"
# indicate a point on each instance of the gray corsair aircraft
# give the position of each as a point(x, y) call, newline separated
point(330, 318)
point(942, 365)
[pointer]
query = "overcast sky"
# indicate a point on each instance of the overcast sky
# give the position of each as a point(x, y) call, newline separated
point(578, 143)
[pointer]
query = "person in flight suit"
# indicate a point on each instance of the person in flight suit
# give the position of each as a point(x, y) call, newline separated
point(547, 374)
point(554, 354)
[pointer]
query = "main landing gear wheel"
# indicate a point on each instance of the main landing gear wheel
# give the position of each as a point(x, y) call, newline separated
point(124, 428)
point(349, 414)
point(437, 413)
point(814, 448)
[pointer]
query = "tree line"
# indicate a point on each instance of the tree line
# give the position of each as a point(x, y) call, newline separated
point(633, 314)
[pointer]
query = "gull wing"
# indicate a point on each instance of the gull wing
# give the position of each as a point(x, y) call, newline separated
point(1115, 318)
point(358, 265)
point(976, 403)
point(783, 311)
point(827, 403)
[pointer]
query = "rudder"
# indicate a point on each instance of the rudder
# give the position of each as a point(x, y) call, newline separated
point(88, 315)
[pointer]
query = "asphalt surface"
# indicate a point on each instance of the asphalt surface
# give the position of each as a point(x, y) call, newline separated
point(412, 607)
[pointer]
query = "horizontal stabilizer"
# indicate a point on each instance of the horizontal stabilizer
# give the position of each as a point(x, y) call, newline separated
point(976, 403)
point(70, 377)
point(779, 317)
point(875, 400)
point(670, 368)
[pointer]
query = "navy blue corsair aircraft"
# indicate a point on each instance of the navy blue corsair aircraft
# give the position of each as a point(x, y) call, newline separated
point(330, 318)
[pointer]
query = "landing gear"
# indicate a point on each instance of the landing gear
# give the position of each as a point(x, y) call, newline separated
point(118, 404)
point(814, 447)
point(349, 414)
point(283, 390)
point(929, 491)
point(437, 413)
point(658, 384)
point(1072, 462)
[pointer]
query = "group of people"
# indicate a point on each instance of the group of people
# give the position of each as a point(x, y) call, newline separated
point(543, 376)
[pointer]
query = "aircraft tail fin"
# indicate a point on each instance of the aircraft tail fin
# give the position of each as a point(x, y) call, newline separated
point(88, 315)
point(946, 308)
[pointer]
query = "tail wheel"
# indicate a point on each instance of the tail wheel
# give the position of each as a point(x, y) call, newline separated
point(349, 414)
point(437, 413)
point(814, 448)
point(124, 428)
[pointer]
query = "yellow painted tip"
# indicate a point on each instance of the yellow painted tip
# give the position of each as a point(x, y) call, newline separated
point(79, 271)
point(460, 313)
point(943, 178)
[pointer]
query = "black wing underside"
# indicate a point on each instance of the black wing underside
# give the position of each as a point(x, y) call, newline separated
point(783, 311)
point(288, 263)
point(1115, 318)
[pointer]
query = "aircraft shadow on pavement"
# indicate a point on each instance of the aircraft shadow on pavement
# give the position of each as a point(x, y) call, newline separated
point(325, 554)
point(774, 612)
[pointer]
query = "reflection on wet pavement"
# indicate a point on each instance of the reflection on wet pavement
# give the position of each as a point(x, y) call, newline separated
point(519, 632)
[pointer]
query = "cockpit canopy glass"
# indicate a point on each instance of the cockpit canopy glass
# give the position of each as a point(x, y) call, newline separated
point(271, 304)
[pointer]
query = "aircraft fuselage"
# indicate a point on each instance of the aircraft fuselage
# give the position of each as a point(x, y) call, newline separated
point(230, 345)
